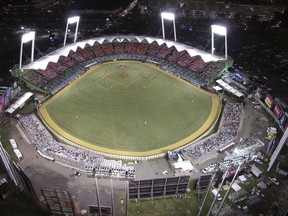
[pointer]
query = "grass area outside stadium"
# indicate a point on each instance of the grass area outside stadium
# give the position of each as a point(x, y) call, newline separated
point(130, 108)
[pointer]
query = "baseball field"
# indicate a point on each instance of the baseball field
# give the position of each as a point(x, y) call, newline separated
point(130, 108)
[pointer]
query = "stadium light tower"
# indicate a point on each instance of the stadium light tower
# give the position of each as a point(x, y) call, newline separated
point(168, 16)
point(220, 30)
point(72, 20)
point(30, 36)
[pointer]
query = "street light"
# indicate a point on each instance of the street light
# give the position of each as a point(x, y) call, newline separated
point(72, 20)
point(220, 30)
point(30, 36)
point(283, 141)
point(227, 192)
point(168, 16)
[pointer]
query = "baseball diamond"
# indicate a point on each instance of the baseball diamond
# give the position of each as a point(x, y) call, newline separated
point(130, 108)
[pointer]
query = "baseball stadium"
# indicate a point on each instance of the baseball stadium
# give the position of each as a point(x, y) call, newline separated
point(105, 123)
point(127, 95)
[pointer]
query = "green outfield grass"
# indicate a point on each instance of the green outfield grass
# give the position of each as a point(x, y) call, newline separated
point(129, 108)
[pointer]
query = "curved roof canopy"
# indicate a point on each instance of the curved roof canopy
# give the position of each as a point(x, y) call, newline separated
point(54, 56)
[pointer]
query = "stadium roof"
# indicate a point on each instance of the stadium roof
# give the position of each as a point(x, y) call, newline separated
point(229, 88)
point(217, 88)
point(54, 56)
point(19, 102)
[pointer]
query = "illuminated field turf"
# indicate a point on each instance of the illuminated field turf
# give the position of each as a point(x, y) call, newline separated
point(130, 108)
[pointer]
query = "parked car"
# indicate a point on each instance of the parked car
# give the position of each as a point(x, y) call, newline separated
point(215, 192)
point(165, 172)
point(76, 173)
point(258, 161)
point(258, 107)
point(274, 180)
point(255, 103)
point(204, 171)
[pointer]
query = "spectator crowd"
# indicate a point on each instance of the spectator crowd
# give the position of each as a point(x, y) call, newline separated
point(96, 163)
point(79, 157)
point(227, 131)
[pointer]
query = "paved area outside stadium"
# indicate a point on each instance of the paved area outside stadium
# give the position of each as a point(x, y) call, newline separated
point(147, 125)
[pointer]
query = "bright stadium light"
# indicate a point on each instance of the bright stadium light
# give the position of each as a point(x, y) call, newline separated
point(168, 16)
point(30, 36)
point(220, 30)
point(72, 20)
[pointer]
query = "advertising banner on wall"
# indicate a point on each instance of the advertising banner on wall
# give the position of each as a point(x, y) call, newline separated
point(2, 104)
point(239, 75)
point(269, 101)
point(278, 110)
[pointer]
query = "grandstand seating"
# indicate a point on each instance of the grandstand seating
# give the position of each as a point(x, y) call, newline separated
point(35, 78)
point(212, 69)
point(57, 75)
point(197, 65)
point(164, 51)
point(175, 55)
point(48, 73)
point(227, 131)
point(77, 56)
point(59, 68)
point(86, 53)
point(97, 50)
point(67, 61)
point(131, 47)
point(118, 48)
point(107, 48)
point(142, 48)
point(186, 60)
point(153, 49)
point(48, 146)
